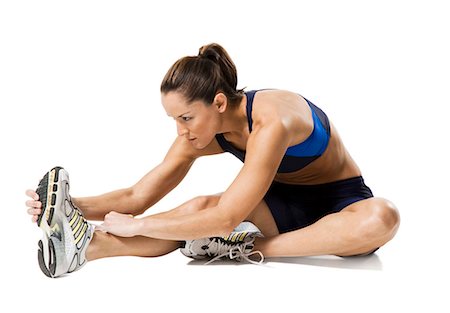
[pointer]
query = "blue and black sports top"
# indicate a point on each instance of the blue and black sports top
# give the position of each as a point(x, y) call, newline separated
point(297, 156)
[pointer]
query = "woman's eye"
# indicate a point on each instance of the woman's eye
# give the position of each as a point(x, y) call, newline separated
point(186, 118)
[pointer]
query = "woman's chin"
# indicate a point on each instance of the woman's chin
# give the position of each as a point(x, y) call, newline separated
point(197, 144)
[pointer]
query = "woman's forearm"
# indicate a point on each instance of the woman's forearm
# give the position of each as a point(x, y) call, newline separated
point(136, 199)
point(205, 223)
point(96, 207)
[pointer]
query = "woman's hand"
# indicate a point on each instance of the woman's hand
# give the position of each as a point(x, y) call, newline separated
point(123, 225)
point(34, 206)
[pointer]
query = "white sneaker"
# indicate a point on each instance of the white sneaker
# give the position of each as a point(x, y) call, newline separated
point(66, 232)
point(236, 246)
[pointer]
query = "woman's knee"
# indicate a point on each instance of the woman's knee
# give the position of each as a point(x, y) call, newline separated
point(202, 202)
point(383, 220)
point(378, 224)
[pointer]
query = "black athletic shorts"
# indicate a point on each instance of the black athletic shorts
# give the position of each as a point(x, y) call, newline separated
point(297, 206)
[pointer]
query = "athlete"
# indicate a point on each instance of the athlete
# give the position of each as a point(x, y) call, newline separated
point(299, 192)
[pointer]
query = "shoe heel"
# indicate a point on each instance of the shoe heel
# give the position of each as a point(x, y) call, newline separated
point(50, 268)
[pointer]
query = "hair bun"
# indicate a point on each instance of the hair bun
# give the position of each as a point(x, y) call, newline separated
point(209, 52)
point(197, 79)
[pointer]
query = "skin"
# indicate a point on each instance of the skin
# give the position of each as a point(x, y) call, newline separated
point(280, 119)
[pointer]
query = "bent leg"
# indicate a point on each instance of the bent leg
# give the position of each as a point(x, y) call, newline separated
point(260, 216)
point(359, 228)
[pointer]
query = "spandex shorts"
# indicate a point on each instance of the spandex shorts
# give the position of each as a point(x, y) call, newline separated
point(297, 206)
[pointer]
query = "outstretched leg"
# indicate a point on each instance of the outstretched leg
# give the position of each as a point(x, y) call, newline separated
point(107, 245)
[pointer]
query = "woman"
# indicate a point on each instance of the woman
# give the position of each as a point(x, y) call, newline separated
point(298, 183)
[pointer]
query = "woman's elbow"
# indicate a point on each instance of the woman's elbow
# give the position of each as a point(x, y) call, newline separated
point(227, 224)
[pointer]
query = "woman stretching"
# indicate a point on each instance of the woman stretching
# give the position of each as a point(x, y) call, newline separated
point(299, 192)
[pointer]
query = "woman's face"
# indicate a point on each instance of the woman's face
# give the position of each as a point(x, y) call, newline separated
point(196, 121)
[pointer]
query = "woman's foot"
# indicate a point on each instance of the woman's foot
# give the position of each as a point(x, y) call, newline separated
point(66, 232)
point(237, 246)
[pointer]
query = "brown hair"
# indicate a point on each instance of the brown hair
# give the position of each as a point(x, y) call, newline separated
point(201, 77)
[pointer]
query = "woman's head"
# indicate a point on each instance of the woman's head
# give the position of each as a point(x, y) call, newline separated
point(201, 77)
point(197, 90)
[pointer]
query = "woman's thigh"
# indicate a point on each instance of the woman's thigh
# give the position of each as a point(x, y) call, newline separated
point(261, 216)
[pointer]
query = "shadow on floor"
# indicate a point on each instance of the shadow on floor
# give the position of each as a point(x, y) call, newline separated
point(369, 262)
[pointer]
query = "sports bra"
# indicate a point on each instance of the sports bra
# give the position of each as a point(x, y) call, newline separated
point(298, 156)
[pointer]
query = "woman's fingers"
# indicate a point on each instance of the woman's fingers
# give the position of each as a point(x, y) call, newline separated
point(32, 194)
point(33, 211)
point(33, 204)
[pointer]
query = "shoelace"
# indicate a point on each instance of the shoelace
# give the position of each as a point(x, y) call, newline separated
point(235, 252)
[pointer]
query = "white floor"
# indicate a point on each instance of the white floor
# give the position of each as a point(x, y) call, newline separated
point(79, 87)
point(391, 280)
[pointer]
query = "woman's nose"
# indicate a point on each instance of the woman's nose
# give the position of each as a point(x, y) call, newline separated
point(181, 130)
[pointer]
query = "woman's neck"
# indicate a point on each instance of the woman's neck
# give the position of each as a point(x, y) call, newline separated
point(235, 122)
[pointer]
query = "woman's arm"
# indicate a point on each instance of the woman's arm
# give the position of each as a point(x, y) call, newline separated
point(151, 188)
point(136, 199)
point(265, 149)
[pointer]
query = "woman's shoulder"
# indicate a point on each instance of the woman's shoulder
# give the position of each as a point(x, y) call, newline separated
point(276, 105)
point(275, 95)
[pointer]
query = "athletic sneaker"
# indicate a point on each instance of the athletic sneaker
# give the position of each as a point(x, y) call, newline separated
point(66, 232)
point(236, 246)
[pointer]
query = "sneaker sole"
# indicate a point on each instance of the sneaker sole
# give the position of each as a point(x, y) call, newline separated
point(47, 191)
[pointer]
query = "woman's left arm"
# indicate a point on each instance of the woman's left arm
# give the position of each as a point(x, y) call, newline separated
point(265, 149)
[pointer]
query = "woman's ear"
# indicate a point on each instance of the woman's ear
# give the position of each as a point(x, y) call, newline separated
point(221, 102)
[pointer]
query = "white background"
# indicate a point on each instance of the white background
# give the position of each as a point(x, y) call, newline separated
point(79, 87)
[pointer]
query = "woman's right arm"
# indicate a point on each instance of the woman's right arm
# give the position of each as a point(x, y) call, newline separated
point(146, 192)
